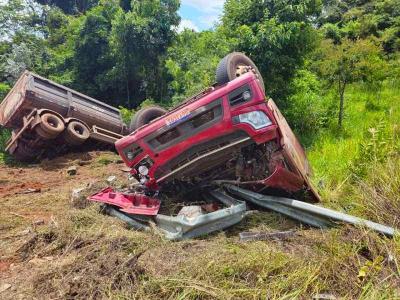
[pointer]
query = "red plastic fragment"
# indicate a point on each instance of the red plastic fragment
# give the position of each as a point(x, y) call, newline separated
point(130, 203)
point(284, 179)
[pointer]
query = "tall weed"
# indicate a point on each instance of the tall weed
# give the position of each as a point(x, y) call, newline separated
point(380, 144)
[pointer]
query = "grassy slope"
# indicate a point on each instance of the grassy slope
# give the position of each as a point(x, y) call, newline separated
point(335, 154)
point(81, 253)
point(333, 150)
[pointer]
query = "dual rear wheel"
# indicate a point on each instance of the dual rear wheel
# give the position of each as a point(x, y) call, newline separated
point(76, 133)
point(51, 126)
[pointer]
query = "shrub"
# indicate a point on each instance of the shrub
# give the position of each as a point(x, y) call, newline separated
point(4, 89)
point(306, 110)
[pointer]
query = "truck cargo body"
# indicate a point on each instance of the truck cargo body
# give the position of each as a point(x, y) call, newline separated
point(33, 96)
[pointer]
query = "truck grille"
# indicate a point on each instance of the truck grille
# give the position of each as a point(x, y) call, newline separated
point(198, 120)
point(132, 151)
point(201, 150)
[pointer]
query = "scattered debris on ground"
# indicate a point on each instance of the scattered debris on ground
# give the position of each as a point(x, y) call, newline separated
point(72, 170)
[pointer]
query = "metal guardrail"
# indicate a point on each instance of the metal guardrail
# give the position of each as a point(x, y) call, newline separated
point(307, 213)
point(183, 227)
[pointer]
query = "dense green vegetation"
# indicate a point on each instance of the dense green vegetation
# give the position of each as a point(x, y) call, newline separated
point(333, 66)
point(124, 52)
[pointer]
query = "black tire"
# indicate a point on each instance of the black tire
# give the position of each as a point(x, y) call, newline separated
point(144, 116)
point(50, 126)
point(229, 66)
point(76, 133)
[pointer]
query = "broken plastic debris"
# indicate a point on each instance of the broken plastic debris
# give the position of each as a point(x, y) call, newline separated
point(132, 203)
point(192, 211)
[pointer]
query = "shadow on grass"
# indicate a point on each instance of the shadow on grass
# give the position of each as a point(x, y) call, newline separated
point(262, 221)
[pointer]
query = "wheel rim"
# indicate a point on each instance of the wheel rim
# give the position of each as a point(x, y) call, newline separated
point(78, 129)
point(242, 69)
point(52, 122)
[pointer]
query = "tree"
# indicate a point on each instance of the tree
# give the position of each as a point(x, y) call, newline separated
point(139, 40)
point(20, 17)
point(15, 62)
point(61, 40)
point(355, 19)
point(348, 62)
point(71, 6)
point(192, 61)
point(22, 43)
point(92, 58)
point(276, 34)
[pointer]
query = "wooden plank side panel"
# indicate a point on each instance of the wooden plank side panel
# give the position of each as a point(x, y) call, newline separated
point(95, 114)
point(14, 100)
point(46, 99)
point(44, 85)
point(87, 98)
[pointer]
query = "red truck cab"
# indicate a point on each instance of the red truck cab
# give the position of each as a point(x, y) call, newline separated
point(230, 133)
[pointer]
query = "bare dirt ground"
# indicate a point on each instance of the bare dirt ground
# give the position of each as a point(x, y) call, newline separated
point(33, 197)
point(52, 248)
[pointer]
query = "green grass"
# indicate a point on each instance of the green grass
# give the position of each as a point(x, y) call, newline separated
point(335, 151)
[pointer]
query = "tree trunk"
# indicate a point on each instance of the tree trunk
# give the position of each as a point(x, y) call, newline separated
point(128, 93)
point(342, 87)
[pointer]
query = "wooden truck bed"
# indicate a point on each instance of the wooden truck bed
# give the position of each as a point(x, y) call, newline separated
point(33, 91)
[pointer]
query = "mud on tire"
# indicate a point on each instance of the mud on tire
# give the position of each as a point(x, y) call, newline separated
point(144, 116)
point(235, 64)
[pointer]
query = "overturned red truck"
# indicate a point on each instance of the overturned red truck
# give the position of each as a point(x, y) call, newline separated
point(230, 133)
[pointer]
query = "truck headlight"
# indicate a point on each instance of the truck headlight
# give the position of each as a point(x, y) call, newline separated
point(143, 170)
point(258, 119)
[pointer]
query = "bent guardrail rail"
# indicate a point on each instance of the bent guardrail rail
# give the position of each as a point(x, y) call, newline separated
point(307, 213)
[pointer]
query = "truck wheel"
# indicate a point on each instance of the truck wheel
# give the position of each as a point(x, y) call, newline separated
point(50, 126)
point(235, 64)
point(77, 133)
point(144, 116)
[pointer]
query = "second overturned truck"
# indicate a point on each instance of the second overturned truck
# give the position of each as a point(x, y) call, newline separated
point(47, 117)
